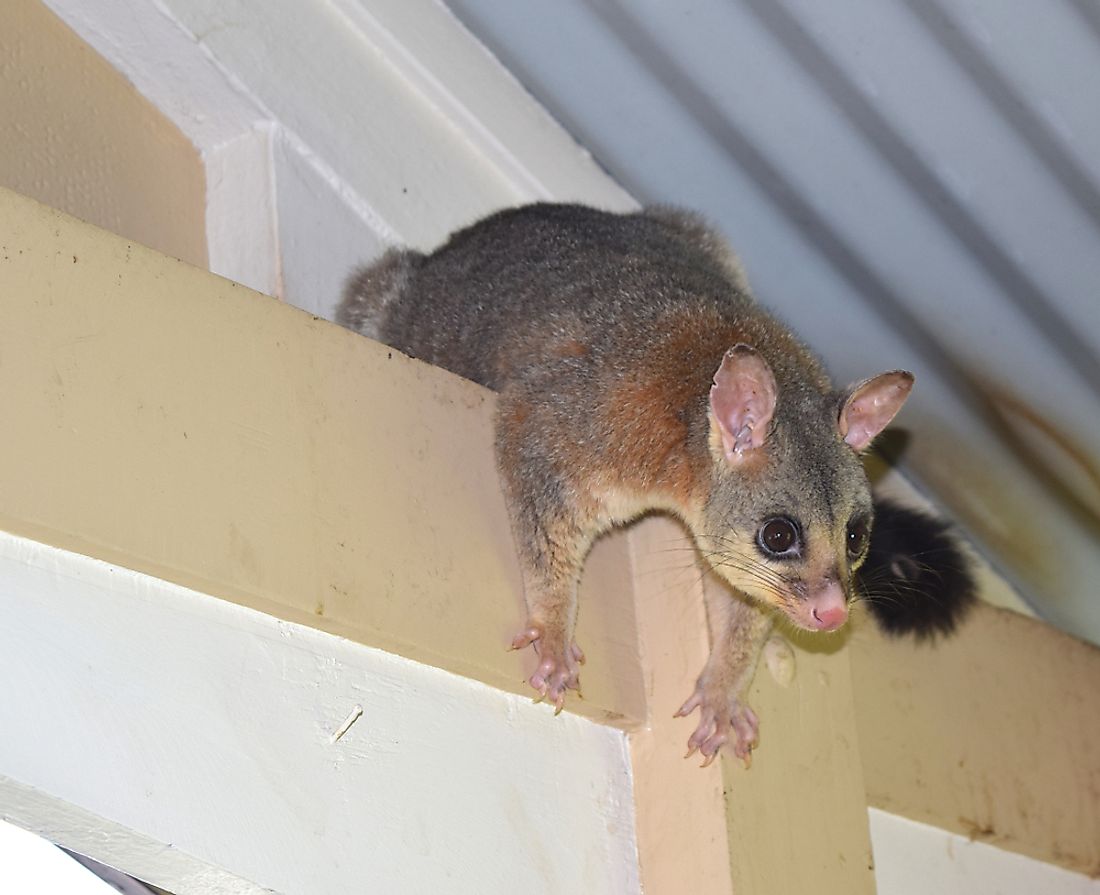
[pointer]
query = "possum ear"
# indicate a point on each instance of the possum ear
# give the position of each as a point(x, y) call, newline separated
point(742, 401)
point(869, 406)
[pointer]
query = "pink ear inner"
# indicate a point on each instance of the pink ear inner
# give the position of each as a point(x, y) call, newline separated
point(871, 405)
point(742, 401)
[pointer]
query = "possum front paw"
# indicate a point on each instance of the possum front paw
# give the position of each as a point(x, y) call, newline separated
point(559, 665)
point(720, 714)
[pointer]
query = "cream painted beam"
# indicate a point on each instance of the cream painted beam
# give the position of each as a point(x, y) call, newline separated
point(683, 841)
point(796, 821)
point(178, 424)
point(233, 135)
point(993, 733)
point(63, 110)
point(798, 817)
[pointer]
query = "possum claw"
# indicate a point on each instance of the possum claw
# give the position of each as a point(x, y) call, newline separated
point(721, 720)
point(559, 665)
point(525, 638)
point(694, 701)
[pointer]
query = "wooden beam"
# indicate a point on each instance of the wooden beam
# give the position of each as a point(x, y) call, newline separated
point(798, 817)
point(683, 842)
point(188, 739)
point(993, 733)
point(143, 857)
point(178, 424)
point(912, 858)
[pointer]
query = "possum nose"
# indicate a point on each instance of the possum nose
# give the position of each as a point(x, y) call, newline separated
point(829, 618)
point(828, 605)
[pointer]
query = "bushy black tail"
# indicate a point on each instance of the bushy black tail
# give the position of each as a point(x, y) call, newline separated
point(916, 579)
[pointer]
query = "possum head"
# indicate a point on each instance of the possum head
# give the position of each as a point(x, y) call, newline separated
point(788, 518)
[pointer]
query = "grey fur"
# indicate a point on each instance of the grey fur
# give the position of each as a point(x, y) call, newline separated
point(370, 293)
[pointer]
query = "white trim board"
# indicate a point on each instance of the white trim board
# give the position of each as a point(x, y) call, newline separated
point(29, 863)
point(190, 741)
point(912, 858)
point(85, 833)
point(404, 127)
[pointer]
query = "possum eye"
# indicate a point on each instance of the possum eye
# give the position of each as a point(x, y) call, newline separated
point(778, 537)
point(858, 530)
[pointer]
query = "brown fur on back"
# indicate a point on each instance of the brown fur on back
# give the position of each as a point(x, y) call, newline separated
point(626, 316)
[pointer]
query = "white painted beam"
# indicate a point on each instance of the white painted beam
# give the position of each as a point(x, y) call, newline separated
point(402, 128)
point(141, 856)
point(207, 729)
point(912, 858)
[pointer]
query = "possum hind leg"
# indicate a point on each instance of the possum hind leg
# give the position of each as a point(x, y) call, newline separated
point(551, 540)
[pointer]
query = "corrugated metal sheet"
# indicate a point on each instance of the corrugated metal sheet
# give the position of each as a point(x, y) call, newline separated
point(911, 183)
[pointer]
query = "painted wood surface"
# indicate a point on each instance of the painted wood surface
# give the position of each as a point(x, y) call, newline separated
point(797, 818)
point(683, 841)
point(178, 424)
point(795, 821)
point(230, 131)
point(63, 108)
point(993, 734)
point(402, 129)
point(210, 728)
point(914, 859)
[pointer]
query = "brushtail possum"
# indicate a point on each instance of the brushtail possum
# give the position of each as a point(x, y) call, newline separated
point(636, 372)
